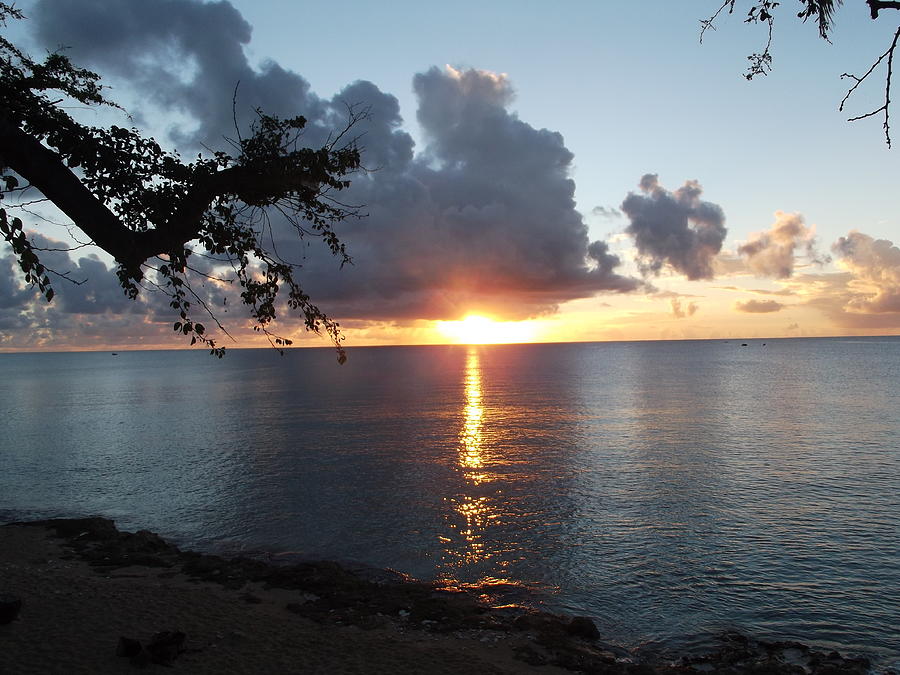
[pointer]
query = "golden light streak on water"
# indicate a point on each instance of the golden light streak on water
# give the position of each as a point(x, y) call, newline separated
point(476, 511)
point(470, 437)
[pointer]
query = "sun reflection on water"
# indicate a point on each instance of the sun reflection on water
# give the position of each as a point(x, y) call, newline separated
point(471, 513)
point(470, 436)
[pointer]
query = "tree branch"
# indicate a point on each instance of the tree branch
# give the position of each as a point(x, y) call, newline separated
point(886, 106)
point(47, 172)
point(876, 5)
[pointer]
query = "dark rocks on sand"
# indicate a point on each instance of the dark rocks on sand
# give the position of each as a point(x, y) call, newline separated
point(128, 647)
point(583, 627)
point(163, 648)
point(740, 654)
point(103, 545)
point(9, 607)
point(330, 594)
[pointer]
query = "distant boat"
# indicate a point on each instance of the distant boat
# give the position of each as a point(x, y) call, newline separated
point(743, 344)
point(115, 353)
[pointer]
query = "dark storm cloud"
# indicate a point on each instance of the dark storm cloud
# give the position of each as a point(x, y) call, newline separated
point(94, 287)
point(89, 305)
point(482, 220)
point(181, 55)
point(675, 229)
point(87, 310)
point(759, 306)
point(12, 294)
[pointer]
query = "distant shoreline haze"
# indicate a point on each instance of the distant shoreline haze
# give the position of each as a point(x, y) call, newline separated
point(310, 342)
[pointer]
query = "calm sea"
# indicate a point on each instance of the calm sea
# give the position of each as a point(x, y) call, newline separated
point(670, 490)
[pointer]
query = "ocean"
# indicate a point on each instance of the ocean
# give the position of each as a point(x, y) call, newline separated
point(669, 490)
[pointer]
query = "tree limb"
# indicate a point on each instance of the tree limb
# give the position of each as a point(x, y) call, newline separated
point(876, 5)
point(44, 169)
point(47, 172)
point(858, 80)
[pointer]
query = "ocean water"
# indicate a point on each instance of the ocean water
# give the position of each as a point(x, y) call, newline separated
point(670, 490)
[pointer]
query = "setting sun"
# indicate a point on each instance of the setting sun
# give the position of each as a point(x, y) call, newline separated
point(480, 330)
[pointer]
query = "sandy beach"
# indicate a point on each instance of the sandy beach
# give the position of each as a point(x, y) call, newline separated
point(84, 586)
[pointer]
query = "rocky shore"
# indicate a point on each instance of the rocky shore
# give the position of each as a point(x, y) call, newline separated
point(78, 595)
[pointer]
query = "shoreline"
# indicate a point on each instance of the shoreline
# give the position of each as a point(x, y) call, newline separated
point(84, 585)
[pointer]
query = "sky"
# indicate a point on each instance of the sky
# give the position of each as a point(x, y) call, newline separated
point(592, 172)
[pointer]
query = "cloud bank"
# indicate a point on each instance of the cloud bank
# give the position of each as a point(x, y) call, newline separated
point(482, 219)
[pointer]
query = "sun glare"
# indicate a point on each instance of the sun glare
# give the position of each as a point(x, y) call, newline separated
point(480, 330)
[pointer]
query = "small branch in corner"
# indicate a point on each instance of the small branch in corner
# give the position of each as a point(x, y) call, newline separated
point(858, 80)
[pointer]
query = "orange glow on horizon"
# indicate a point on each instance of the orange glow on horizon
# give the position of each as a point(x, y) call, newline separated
point(481, 330)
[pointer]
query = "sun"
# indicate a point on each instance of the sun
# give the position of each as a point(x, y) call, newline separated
point(481, 330)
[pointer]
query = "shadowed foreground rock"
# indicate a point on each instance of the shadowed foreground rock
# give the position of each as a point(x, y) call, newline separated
point(10, 606)
point(330, 595)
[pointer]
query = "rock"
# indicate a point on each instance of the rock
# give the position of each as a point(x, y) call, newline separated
point(9, 607)
point(537, 622)
point(128, 647)
point(165, 647)
point(95, 527)
point(583, 627)
point(147, 541)
point(234, 637)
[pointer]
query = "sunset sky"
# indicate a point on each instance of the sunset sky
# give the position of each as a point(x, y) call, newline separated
point(587, 170)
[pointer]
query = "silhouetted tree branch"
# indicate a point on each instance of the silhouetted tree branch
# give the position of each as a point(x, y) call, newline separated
point(136, 201)
point(763, 11)
point(886, 107)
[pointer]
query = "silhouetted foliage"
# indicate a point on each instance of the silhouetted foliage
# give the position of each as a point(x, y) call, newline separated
point(822, 11)
point(146, 207)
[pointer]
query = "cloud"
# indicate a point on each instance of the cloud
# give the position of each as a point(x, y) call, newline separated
point(12, 294)
point(675, 229)
point(482, 219)
point(673, 294)
point(680, 312)
point(759, 306)
point(91, 288)
point(606, 212)
point(875, 266)
point(758, 291)
point(83, 310)
point(182, 56)
point(772, 253)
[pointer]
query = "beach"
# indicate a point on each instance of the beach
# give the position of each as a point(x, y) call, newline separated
point(84, 586)
point(72, 618)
